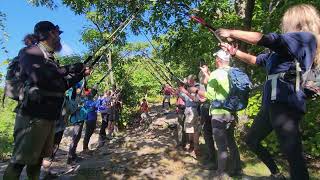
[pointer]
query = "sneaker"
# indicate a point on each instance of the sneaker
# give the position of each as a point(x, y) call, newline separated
point(278, 176)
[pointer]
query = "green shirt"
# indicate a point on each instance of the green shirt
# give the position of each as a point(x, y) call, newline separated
point(218, 88)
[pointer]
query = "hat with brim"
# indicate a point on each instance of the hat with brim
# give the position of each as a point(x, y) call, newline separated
point(45, 26)
point(223, 55)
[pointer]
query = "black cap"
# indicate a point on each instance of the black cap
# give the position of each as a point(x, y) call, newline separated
point(44, 27)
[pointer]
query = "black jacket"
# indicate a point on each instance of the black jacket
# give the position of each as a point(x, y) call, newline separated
point(46, 83)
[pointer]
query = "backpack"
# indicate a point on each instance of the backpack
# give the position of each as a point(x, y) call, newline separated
point(311, 83)
point(14, 86)
point(238, 96)
point(79, 116)
point(71, 105)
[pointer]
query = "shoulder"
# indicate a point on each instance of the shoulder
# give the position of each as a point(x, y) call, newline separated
point(33, 50)
point(299, 38)
point(218, 73)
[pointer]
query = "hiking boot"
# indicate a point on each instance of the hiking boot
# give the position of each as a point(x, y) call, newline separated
point(198, 153)
point(237, 173)
point(74, 159)
point(278, 176)
point(49, 175)
point(109, 137)
point(210, 165)
point(87, 151)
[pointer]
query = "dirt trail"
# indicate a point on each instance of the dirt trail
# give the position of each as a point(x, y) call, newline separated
point(138, 153)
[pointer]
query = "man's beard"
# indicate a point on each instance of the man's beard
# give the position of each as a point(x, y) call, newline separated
point(57, 46)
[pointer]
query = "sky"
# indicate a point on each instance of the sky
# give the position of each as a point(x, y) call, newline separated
point(21, 18)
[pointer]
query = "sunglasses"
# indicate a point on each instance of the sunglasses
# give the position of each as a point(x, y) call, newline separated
point(57, 29)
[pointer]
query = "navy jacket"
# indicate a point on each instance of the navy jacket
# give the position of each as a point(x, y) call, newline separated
point(285, 48)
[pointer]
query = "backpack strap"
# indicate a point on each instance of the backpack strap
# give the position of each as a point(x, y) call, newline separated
point(274, 80)
point(298, 79)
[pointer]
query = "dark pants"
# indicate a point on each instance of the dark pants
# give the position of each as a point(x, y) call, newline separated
point(207, 132)
point(181, 133)
point(285, 121)
point(104, 125)
point(77, 129)
point(90, 127)
point(14, 170)
point(223, 134)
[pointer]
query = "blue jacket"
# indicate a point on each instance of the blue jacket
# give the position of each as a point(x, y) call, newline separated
point(285, 48)
point(91, 107)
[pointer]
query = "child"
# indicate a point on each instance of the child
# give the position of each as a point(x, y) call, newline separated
point(144, 109)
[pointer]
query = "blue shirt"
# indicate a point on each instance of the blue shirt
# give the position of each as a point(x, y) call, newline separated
point(91, 107)
point(285, 48)
point(103, 105)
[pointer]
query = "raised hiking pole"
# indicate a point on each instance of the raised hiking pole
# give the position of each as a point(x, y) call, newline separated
point(211, 29)
point(174, 77)
point(197, 19)
point(108, 43)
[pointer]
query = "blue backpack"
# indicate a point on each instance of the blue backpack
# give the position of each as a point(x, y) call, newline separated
point(238, 97)
point(79, 116)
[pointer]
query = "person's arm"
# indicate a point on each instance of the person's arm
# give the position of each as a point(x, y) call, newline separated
point(206, 73)
point(245, 36)
point(186, 93)
point(245, 57)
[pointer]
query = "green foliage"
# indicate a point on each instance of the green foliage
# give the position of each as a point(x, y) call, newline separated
point(6, 127)
point(311, 128)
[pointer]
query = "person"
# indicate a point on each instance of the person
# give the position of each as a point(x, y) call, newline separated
point(222, 121)
point(42, 103)
point(60, 126)
point(77, 120)
point(205, 118)
point(192, 121)
point(167, 91)
point(105, 110)
point(181, 133)
point(91, 107)
point(115, 108)
point(283, 103)
point(144, 110)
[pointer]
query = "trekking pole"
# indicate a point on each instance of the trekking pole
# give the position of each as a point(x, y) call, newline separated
point(112, 37)
point(160, 69)
point(197, 19)
point(175, 78)
point(155, 69)
point(154, 75)
point(108, 71)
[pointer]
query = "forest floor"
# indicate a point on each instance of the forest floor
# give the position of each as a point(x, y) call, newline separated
point(144, 152)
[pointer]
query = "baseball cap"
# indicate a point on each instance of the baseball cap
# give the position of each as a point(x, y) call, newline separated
point(223, 55)
point(45, 26)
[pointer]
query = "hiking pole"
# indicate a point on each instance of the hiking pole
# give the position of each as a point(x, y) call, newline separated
point(112, 37)
point(175, 78)
point(155, 69)
point(154, 75)
point(198, 19)
point(109, 71)
point(156, 64)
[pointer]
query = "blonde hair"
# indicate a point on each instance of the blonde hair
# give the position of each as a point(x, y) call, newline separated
point(306, 18)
